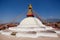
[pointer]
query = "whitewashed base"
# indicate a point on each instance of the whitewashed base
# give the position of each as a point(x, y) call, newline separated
point(58, 32)
point(47, 34)
point(26, 35)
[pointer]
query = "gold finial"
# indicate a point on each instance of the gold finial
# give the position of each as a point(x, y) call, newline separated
point(30, 6)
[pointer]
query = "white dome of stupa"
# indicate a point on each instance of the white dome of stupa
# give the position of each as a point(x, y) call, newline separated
point(30, 22)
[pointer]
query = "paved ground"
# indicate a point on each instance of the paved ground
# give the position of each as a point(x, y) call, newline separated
point(4, 37)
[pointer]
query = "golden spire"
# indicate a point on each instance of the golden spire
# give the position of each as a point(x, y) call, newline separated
point(30, 6)
point(30, 13)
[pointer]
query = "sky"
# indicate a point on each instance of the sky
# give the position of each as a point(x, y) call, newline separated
point(10, 9)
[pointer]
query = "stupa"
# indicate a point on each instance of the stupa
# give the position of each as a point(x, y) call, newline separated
point(31, 27)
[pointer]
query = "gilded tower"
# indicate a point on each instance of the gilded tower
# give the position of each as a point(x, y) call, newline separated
point(30, 12)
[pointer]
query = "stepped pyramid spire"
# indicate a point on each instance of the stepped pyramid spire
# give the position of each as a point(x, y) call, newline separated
point(30, 13)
